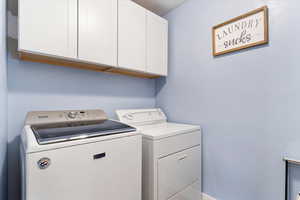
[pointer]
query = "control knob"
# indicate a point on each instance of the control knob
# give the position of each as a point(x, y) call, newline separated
point(72, 115)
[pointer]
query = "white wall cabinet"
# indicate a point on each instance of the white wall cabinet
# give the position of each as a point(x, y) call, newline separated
point(132, 36)
point(48, 27)
point(98, 31)
point(157, 44)
point(117, 36)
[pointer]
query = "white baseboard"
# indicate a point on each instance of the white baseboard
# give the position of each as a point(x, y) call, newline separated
point(207, 197)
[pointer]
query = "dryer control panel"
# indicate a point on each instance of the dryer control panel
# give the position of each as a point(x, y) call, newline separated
point(141, 116)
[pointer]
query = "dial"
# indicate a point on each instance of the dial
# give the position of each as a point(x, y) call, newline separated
point(72, 115)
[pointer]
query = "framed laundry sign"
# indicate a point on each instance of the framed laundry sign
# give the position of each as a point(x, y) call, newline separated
point(248, 30)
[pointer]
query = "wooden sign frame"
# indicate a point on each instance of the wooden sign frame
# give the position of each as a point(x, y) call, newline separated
point(263, 9)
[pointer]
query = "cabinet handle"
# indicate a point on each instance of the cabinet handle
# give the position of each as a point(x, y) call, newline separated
point(100, 155)
point(182, 158)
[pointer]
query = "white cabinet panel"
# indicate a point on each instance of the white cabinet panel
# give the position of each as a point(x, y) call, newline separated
point(48, 27)
point(98, 31)
point(131, 36)
point(157, 44)
point(177, 171)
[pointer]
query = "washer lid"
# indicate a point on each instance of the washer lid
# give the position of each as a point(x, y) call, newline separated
point(164, 130)
point(61, 132)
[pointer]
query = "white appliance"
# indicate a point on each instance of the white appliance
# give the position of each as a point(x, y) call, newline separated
point(79, 155)
point(171, 168)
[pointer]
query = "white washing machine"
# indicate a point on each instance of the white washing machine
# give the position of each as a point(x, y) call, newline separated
point(171, 167)
point(79, 155)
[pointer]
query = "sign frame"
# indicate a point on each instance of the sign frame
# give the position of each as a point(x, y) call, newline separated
point(263, 9)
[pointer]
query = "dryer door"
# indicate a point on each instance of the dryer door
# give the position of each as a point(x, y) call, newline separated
point(177, 171)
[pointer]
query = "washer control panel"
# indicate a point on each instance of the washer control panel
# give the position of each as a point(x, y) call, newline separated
point(46, 117)
point(76, 115)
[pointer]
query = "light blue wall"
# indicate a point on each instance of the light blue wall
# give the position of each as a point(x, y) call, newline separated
point(246, 102)
point(3, 102)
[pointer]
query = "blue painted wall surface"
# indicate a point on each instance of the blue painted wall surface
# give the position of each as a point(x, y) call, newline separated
point(34, 86)
point(3, 102)
point(246, 102)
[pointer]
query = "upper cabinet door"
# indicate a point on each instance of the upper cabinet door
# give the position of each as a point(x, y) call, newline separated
point(157, 44)
point(132, 36)
point(98, 31)
point(48, 27)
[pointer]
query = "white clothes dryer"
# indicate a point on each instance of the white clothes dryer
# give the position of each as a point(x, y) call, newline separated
point(171, 168)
